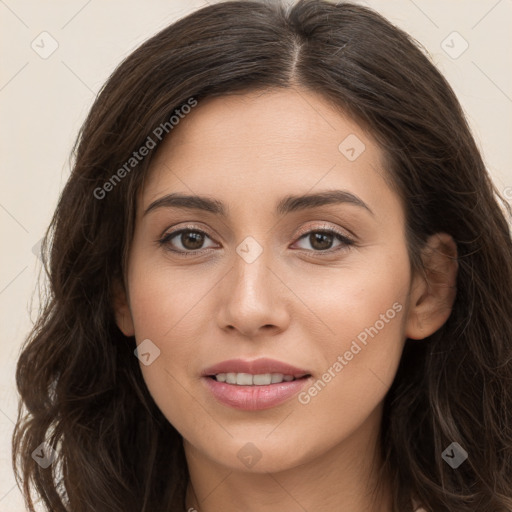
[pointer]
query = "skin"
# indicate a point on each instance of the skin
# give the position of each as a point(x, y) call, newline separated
point(295, 302)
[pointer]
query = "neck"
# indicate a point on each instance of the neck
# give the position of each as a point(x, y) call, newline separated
point(343, 477)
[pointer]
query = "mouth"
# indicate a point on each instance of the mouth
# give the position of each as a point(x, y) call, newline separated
point(254, 385)
point(262, 379)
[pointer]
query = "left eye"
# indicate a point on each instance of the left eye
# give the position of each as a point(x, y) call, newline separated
point(192, 240)
point(322, 240)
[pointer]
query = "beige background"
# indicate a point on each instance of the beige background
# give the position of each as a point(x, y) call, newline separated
point(43, 103)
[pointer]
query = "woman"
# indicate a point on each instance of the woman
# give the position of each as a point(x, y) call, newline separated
point(280, 279)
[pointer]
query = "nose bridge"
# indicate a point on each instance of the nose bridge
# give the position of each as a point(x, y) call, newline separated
point(249, 296)
point(254, 250)
point(251, 273)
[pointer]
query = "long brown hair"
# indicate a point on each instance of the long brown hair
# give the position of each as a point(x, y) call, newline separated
point(81, 387)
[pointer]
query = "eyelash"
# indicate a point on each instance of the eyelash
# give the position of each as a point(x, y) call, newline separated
point(346, 241)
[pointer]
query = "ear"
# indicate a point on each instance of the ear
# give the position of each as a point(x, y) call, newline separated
point(122, 311)
point(433, 290)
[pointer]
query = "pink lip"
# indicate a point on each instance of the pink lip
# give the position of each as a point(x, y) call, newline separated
point(254, 398)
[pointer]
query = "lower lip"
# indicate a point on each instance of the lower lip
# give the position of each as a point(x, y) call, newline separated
point(254, 398)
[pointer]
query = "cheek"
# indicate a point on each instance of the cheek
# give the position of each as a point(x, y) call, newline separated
point(357, 300)
point(365, 311)
point(166, 300)
point(168, 308)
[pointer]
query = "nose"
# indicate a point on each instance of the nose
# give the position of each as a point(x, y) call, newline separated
point(253, 299)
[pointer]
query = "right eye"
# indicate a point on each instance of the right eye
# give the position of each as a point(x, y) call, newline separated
point(185, 241)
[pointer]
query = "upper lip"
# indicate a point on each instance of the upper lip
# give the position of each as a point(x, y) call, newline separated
point(254, 367)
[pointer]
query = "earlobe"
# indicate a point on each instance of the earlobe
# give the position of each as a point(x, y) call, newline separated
point(122, 311)
point(433, 291)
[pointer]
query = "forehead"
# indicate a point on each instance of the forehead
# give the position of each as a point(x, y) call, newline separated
point(266, 143)
point(280, 119)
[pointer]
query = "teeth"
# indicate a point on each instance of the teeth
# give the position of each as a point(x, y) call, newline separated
point(246, 379)
point(262, 380)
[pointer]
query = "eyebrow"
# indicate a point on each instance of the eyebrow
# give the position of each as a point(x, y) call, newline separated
point(287, 204)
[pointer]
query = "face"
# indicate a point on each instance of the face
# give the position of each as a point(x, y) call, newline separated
point(294, 266)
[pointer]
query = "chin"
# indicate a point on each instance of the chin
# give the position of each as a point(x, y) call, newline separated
point(259, 455)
